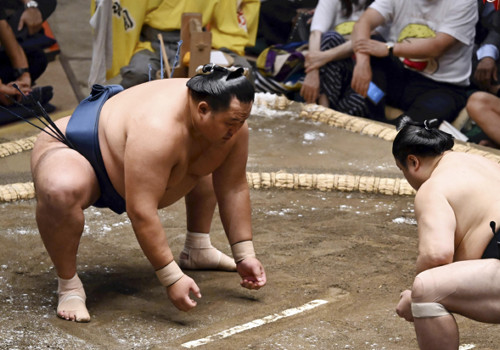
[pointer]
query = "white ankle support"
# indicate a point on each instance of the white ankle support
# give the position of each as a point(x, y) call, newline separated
point(242, 250)
point(65, 285)
point(427, 310)
point(71, 305)
point(169, 274)
point(197, 240)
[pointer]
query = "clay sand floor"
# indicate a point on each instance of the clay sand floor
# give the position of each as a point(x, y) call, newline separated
point(335, 261)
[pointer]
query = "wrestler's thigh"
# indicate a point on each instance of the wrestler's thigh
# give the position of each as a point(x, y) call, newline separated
point(63, 173)
point(46, 142)
point(476, 285)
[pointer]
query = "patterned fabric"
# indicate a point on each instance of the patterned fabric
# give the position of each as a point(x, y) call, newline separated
point(281, 67)
point(336, 78)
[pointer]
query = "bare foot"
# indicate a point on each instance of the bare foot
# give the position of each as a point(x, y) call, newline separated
point(206, 259)
point(72, 298)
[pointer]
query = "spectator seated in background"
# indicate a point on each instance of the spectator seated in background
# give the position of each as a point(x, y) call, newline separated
point(278, 21)
point(26, 19)
point(15, 68)
point(280, 46)
point(329, 62)
point(233, 25)
point(484, 107)
point(486, 58)
point(426, 71)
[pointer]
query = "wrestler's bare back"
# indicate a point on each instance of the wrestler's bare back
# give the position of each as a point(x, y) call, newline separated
point(154, 121)
point(471, 185)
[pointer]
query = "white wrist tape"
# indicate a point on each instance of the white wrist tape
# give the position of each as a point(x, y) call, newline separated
point(426, 310)
point(169, 274)
point(242, 250)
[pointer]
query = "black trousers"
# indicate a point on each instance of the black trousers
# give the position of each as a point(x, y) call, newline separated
point(419, 97)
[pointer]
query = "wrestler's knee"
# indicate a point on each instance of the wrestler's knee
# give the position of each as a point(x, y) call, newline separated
point(205, 186)
point(59, 191)
point(426, 297)
point(202, 192)
point(433, 285)
point(418, 288)
point(430, 286)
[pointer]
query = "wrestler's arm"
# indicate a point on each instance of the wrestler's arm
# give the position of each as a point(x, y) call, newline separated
point(147, 166)
point(233, 198)
point(436, 233)
point(436, 228)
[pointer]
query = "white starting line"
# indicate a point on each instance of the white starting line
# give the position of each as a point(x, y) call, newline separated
point(255, 323)
point(466, 347)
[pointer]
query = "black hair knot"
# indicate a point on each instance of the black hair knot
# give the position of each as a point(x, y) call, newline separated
point(431, 124)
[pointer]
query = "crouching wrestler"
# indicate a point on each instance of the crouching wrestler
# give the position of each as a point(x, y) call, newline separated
point(456, 208)
point(140, 150)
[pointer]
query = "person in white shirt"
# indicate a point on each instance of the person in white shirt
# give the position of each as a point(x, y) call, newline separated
point(485, 61)
point(329, 61)
point(425, 67)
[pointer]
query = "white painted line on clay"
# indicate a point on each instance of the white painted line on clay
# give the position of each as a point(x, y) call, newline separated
point(466, 347)
point(255, 323)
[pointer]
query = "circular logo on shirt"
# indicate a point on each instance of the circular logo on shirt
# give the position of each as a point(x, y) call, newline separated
point(414, 32)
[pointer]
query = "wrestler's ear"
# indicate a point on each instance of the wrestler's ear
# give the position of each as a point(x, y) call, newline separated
point(412, 162)
point(203, 108)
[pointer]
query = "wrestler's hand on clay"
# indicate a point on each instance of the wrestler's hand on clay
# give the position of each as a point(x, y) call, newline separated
point(404, 306)
point(252, 273)
point(178, 293)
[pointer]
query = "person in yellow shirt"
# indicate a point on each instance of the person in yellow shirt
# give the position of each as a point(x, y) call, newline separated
point(235, 32)
point(135, 28)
